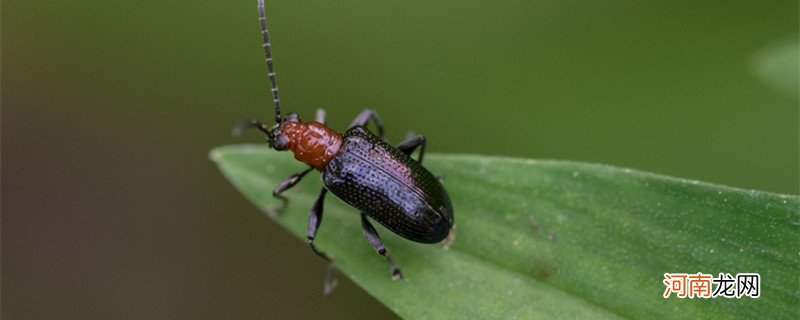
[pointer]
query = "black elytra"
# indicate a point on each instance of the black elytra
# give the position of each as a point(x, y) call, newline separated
point(390, 187)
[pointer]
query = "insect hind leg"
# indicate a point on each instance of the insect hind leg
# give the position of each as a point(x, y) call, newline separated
point(375, 241)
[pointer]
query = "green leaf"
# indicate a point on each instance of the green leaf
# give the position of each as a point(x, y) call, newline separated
point(554, 239)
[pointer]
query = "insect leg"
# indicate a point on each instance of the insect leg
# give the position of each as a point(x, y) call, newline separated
point(314, 219)
point(409, 145)
point(365, 116)
point(249, 123)
point(283, 186)
point(375, 241)
point(320, 116)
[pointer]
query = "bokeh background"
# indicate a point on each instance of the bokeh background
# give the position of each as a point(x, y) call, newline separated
point(112, 210)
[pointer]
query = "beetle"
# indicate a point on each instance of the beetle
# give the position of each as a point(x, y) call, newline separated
point(383, 182)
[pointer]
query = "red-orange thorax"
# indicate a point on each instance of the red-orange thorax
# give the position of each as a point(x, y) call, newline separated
point(312, 142)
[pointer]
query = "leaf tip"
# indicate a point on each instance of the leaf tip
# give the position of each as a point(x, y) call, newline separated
point(214, 155)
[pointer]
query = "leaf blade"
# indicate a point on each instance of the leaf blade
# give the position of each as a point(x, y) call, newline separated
point(554, 239)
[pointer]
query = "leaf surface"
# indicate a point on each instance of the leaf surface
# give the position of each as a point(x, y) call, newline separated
point(553, 239)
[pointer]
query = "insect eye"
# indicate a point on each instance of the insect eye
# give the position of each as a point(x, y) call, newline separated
point(278, 141)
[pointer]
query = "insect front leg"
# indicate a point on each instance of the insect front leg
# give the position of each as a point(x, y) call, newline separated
point(314, 220)
point(375, 241)
point(410, 144)
point(364, 117)
point(320, 116)
point(249, 123)
point(286, 184)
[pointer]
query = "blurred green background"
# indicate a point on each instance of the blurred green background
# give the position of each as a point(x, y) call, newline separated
point(111, 208)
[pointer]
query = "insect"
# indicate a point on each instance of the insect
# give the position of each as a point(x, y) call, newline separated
point(383, 182)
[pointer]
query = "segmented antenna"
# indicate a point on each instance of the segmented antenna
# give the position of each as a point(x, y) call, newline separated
point(263, 19)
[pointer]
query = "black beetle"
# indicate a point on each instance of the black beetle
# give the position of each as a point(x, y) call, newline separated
point(381, 181)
